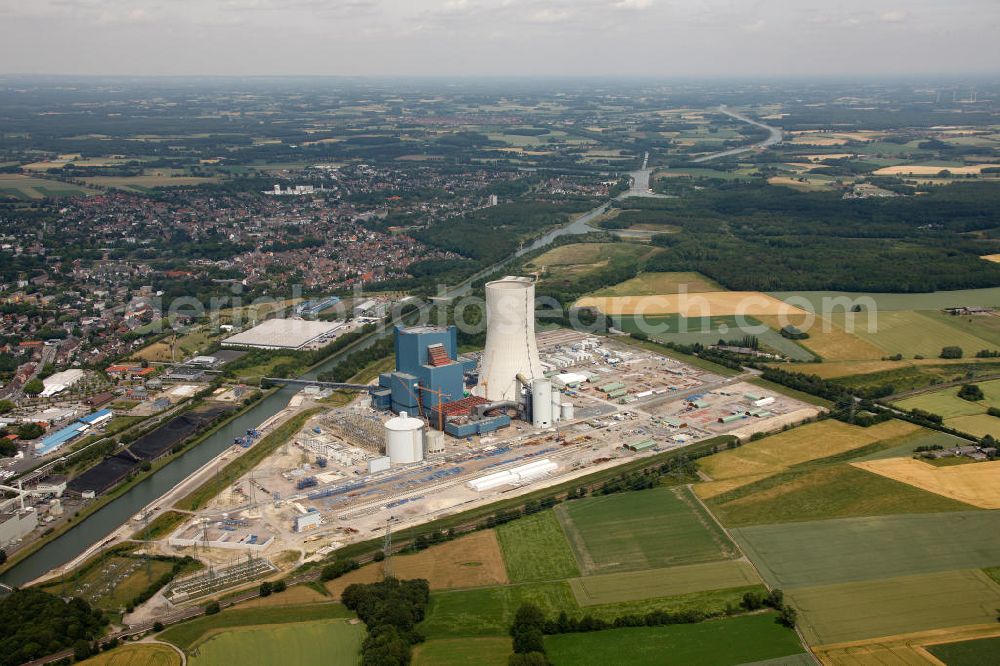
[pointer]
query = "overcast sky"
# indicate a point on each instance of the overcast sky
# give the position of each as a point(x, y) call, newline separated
point(660, 38)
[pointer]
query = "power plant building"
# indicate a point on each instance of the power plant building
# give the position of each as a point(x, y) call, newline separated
point(430, 380)
point(428, 371)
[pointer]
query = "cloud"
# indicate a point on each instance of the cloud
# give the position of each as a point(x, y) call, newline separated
point(497, 37)
point(632, 4)
point(549, 16)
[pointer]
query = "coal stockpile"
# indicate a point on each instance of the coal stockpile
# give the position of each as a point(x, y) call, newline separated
point(160, 441)
point(105, 475)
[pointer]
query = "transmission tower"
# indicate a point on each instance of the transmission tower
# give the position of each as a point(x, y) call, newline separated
point(145, 542)
point(387, 548)
point(253, 492)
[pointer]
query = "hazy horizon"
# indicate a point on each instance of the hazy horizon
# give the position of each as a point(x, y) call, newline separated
point(641, 39)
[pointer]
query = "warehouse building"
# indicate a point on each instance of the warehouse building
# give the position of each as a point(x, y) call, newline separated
point(284, 334)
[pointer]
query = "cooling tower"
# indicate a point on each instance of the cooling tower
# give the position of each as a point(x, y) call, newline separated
point(510, 338)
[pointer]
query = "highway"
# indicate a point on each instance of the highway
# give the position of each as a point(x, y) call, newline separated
point(775, 136)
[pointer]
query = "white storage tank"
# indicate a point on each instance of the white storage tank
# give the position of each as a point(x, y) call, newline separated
point(434, 439)
point(541, 403)
point(404, 439)
point(566, 411)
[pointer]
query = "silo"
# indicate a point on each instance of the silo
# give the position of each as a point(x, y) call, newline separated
point(404, 439)
point(434, 439)
point(566, 411)
point(541, 403)
point(510, 338)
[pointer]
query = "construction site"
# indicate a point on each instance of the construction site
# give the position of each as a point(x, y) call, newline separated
point(443, 433)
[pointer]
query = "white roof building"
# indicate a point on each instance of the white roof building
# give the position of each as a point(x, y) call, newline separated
point(282, 334)
point(60, 381)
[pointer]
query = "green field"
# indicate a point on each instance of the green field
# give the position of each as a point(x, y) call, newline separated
point(30, 187)
point(858, 549)
point(904, 447)
point(535, 549)
point(463, 652)
point(334, 642)
point(739, 640)
point(963, 415)
point(709, 330)
point(825, 491)
point(947, 403)
point(576, 259)
point(112, 582)
point(489, 611)
point(907, 377)
point(674, 581)
point(188, 634)
point(937, 300)
point(146, 183)
point(869, 609)
point(911, 333)
point(982, 326)
point(979, 425)
point(980, 652)
point(648, 529)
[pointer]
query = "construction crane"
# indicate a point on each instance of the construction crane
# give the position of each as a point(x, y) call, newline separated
point(440, 401)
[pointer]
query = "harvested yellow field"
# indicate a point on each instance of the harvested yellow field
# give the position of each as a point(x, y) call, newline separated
point(818, 141)
point(147, 181)
point(646, 284)
point(705, 304)
point(929, 170)
point(901, 649)
point(140, 654)
point(808, 138)
point(995, 258)
point(827, 340)
point(766, 457)
point(806, 184)
point(295, 595)
point(775, 423)
point(805, 166)
point(977, 484)
point(827, 156)
point(469, 561)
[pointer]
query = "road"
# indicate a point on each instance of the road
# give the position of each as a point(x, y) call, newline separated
point(775, 136)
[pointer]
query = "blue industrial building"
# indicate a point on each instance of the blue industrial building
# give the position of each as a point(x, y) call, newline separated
point(428, 371)
point(60, 437)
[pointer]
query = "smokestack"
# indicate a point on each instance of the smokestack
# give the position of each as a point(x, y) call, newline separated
point(510, 338)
